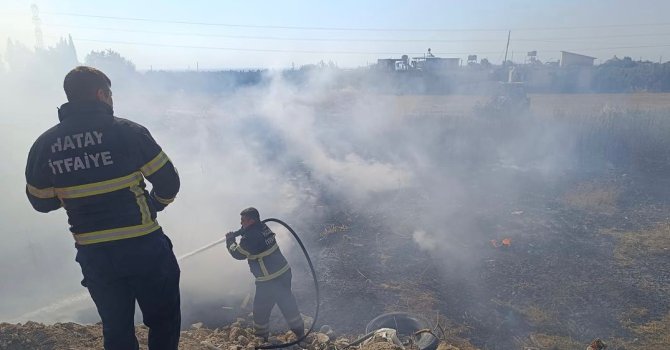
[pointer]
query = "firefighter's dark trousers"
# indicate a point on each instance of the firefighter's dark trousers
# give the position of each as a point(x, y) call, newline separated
point(142, 269)
point(276, 291)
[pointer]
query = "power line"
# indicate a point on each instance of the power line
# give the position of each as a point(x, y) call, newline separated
point(340, 52)
point(266, 50)
point(277, 38)
point(281, 38)
point(361, 29)
point(625, 47)
point(599, 37)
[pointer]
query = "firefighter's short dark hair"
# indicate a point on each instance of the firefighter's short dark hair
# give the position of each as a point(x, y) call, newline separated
point(252, 213)
point(83, 82)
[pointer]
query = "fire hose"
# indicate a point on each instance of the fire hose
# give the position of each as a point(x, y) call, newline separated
point(311, 267)
point(68, 302)
point(316, 288)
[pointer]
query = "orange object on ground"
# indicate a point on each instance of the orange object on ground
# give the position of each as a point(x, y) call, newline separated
point(507, 242)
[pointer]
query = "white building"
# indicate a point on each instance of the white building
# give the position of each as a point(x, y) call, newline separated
point(574, 59)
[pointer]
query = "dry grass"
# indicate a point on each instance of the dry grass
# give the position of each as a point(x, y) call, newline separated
point(632, 246)
point(411, 299)
point(653, 335)
point(540, 104)
point(333, 228)
point(589, 104)
point(445, 106)
point(633, 316)
point(551, 342)
point(534, 314)
point(452, 333)
point(593, 196)
point(537, 315)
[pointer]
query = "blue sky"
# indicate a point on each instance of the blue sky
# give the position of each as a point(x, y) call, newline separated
point(597, 28)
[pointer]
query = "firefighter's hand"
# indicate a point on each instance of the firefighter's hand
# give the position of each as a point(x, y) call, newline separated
point(230, 236)
point(158, 205)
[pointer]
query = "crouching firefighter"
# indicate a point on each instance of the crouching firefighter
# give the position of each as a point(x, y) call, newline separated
point(93, 165)
point(273, 273)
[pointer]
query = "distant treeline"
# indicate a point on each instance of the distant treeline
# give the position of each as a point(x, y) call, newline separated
point(626, 75)
point(613, 76)
point(617, 75)
point(204, 81)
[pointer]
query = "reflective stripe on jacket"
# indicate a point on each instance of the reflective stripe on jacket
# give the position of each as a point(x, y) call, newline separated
point(259, 247)
point(94, 165)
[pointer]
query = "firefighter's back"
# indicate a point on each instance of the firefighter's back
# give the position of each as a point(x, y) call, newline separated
point(94, 164)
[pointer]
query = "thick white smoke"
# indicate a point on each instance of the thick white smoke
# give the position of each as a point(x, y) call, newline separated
point(282, 147)
point(252, 147)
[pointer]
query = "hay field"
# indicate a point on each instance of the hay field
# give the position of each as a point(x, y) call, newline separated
point(540, 104)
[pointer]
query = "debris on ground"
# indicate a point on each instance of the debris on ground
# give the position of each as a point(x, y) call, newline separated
point(505, 242)
point(381, 346)
point(237, 336)
point(385, 335)
point(383, 339)
point(597, 344)
point(32, 335)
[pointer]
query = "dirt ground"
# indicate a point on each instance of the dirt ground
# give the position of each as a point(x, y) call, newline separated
point(74, 336)
point(588, 256)
point(586, 261)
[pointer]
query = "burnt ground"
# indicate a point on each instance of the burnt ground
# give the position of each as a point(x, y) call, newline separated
point(573, 272)
point(589, 254)
point(588, 259)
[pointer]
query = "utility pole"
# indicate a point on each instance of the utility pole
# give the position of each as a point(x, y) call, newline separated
point(39, 40)
point(507, 48)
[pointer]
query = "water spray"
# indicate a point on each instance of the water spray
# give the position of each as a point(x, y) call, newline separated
point(311, 267)
point(75, 299)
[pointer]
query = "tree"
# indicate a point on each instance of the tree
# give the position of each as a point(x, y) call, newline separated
point(110, 62)
point(625, 75)
point(19, 57)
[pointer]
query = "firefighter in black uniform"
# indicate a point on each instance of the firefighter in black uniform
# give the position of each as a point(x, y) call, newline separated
point(273, 273)
point(93, 165)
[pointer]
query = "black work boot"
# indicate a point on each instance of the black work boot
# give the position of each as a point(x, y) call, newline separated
point(299, 332)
